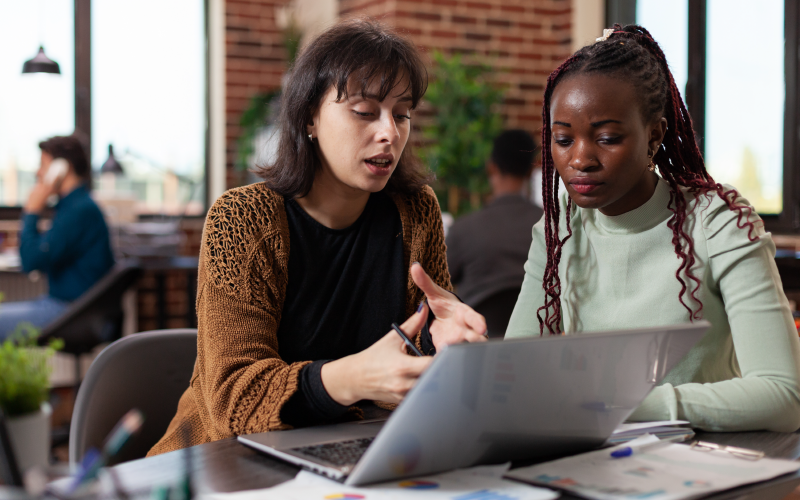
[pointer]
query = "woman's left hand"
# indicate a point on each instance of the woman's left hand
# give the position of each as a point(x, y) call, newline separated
point(455, 321)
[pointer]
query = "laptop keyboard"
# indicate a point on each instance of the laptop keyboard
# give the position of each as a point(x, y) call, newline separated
point(339, 453)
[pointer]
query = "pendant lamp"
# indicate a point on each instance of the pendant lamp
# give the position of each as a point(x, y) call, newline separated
point(111, 165)
point(41, 64)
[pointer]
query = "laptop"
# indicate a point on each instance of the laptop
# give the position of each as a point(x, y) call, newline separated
point(493, 402)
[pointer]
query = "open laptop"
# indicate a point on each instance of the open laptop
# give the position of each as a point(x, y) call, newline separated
point(494, 402)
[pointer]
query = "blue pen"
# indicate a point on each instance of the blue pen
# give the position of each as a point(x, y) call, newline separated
point(627, 451)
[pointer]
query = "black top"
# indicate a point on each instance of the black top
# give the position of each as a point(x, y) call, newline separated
point(346, 287)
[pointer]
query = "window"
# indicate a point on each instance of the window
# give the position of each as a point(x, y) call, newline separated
point(745, 99)
point(668, 22)
point(148, 96)
point(35, 106)
point(741, 61)
point(148, 100)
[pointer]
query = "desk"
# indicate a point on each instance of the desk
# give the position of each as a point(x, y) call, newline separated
point(227, 466)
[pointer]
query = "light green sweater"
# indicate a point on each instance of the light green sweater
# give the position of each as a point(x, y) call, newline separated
point(619, 272)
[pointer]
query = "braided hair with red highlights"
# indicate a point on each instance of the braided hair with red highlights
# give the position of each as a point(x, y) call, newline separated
point(631, 53)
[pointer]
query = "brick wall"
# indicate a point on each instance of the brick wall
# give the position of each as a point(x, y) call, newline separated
point(524, 40)
point(255, 61)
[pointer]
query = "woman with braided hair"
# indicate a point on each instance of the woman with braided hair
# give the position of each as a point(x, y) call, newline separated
point(645, 237)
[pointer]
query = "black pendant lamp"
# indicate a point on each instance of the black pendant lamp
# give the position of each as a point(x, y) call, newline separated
point(111, 165)
point(41, 64)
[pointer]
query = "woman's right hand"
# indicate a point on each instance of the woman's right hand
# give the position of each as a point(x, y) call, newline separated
point(382, 372)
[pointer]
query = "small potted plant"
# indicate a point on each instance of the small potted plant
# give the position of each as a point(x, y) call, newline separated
point(24, 388)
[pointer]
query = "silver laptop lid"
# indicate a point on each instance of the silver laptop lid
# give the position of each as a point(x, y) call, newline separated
point(525, 398)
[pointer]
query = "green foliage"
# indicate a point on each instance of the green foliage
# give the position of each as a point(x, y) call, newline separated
point(465, 124)
point(24, 371)
point(257, 115)
point(292, 36)
point(262, 109)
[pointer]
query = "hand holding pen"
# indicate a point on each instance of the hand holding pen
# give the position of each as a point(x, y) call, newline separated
point(408, 342)
point(382, 372)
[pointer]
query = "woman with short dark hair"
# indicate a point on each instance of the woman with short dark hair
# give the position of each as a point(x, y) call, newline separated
point(301, 276)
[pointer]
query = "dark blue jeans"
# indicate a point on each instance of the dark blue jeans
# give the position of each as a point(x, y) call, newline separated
point(38, 312)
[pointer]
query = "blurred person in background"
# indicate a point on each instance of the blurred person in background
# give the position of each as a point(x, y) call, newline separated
point(487, 249)
point(76, 252)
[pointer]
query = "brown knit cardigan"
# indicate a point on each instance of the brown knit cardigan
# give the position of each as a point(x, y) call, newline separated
point(240, 382)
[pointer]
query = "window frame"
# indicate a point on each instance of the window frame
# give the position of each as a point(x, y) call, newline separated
point(83, 82)
point(788, 221)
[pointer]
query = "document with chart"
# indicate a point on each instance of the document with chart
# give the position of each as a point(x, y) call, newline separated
point(647, 468)
point(475, 483)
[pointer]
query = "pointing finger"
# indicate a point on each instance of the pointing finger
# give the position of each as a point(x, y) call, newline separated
point(424, 282)
point(475, 321)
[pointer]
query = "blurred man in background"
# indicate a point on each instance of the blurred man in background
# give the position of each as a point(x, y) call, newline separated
point(487, 249)
point(76, 252)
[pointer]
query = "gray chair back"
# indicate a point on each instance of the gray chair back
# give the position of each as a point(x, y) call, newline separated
point(149, 371)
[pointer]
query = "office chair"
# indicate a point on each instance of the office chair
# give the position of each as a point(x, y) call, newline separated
point(497, 310)
point(96, 316)
point(149, 371)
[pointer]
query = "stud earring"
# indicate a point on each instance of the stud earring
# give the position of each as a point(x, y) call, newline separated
point(310, 137)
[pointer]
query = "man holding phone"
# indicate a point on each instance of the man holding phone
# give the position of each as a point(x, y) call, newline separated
point(76, 252)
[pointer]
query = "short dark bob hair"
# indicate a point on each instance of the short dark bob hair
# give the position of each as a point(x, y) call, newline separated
point(355, 51)
point(70, 148)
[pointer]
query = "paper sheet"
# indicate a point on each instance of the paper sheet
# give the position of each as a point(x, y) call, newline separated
point(673, 472)
point(642, 427)
point(476, 483)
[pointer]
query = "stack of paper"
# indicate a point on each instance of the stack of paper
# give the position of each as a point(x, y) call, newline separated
point(476, 483)
point(674, 430)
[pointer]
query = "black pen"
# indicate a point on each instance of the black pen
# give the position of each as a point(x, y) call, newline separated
point(406, 339)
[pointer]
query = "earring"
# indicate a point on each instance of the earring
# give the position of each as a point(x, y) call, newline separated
point(310, 137)
point(652, 166)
